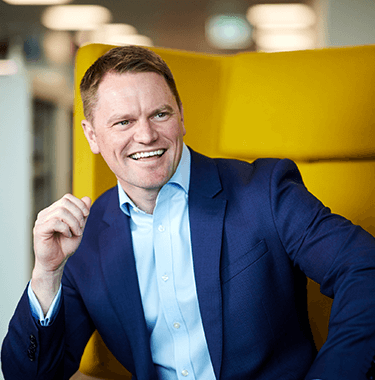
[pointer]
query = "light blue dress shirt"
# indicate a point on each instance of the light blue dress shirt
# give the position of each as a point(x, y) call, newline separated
point(164, 263)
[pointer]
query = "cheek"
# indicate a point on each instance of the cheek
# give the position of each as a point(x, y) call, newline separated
point(106, 148)
point(110, 141)
point(176, 133)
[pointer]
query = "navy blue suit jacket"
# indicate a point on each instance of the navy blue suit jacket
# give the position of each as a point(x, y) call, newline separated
point(256, 234)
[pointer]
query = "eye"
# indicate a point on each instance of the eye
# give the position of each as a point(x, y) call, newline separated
point(123, 123)
point(162, 115)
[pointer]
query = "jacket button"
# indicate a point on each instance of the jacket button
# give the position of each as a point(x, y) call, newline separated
point(32, 348)
point(31, 353)
point(33, 339)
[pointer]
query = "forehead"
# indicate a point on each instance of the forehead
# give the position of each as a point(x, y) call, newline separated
point(129, 85)
point(131, 94)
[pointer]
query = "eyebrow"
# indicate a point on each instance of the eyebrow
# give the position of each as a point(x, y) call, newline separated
point(164, 107)
point(116, 118)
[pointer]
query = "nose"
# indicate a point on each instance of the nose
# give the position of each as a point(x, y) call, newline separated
point(145, 132)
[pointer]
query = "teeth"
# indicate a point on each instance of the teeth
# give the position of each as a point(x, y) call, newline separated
point(139, 155)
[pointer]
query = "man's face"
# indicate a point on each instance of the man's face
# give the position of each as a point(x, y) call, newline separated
point(138, 129)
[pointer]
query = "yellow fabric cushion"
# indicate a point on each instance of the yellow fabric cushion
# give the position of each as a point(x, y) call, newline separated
point(304, 105)
point(99, 362)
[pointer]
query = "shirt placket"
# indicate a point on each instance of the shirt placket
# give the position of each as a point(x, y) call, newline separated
point(166, 285)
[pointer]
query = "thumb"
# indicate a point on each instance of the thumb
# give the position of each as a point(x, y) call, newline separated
point(87, 202)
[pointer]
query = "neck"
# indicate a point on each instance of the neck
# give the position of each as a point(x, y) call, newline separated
point(146, 201)
point(147, 210)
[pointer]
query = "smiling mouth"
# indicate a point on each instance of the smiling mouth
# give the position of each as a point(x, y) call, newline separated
point(140, 155)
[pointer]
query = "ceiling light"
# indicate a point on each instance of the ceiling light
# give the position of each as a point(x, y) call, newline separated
point(105, 31)
point(281, 16)
point(228, 31)
point(75, 17)
point(36, 2)
point(270, 40)
point(103, 34)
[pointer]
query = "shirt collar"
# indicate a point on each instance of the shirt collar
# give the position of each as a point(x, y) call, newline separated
point(181, 177)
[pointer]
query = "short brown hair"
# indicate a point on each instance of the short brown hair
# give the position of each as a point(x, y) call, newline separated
point(120, 60)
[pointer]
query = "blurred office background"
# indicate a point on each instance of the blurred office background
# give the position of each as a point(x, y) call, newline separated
point(38, 42)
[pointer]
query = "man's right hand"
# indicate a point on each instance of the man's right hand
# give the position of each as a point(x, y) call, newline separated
point(57, 234)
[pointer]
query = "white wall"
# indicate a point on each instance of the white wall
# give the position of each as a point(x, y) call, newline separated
point(15, 191)
point(349, 22)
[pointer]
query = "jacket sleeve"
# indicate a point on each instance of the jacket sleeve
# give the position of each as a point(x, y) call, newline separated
point(31, 351)
point(341, 258)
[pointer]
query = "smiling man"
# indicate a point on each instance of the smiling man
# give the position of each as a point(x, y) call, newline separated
point(191, 267)
point(138, 128)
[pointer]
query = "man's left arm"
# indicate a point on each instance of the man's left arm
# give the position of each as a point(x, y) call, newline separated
point(341, 258)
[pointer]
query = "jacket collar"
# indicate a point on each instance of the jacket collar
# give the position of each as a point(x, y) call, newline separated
point(119, 272)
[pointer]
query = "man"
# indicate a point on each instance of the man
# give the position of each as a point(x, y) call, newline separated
point(191, 267)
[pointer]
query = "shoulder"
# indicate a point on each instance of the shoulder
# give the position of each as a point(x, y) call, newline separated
point(232, 173)
point(227, 165)
point(244, 170)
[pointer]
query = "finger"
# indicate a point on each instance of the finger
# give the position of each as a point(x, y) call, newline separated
point(69, 210)
point(65, 217)
point(67, 201)
point(87, 202)
point(74, 206)
point(83, 204)
point(47, 229)
point(63, 228)
point(65, 212)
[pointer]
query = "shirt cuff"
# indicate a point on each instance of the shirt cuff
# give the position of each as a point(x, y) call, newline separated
point(37, 311)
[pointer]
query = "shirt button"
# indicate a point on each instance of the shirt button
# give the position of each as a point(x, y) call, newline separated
point(165, 277)
point(185, 372)
point(176, 325)
point(161, 228)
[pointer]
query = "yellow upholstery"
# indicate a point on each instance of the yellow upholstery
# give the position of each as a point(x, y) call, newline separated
point(307, 105)
point(316, 107)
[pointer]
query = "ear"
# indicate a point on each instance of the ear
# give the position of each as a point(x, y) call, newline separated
point(182, 120)
point(90, 135)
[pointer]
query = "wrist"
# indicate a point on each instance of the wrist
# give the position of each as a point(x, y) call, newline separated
point(45, 285)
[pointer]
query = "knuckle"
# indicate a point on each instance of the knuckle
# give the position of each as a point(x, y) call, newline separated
point(36, 227)
point(67, 197)
point(40, 214)
point(64, 202)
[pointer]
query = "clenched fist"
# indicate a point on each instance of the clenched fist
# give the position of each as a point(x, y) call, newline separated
point(57, 234)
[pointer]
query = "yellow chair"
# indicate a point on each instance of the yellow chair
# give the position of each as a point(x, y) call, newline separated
point(315, 107)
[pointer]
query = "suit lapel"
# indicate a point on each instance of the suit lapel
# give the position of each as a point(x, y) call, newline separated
point(206, 215)
point(120, 276)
